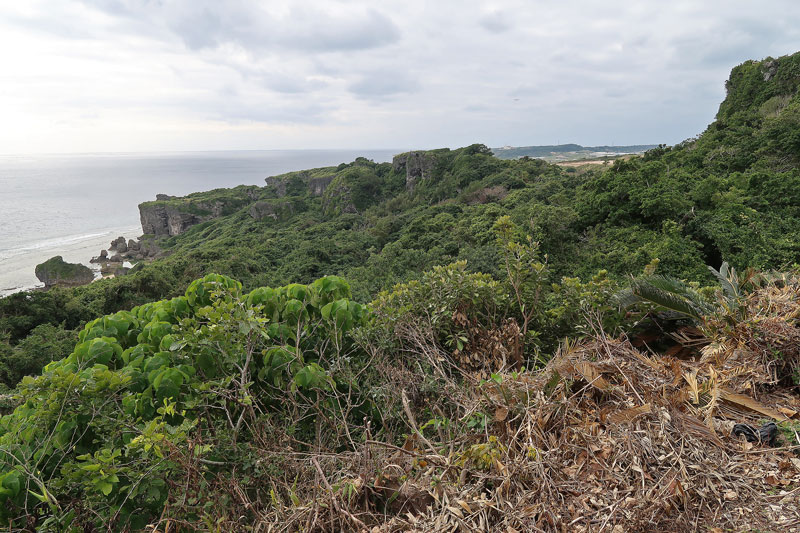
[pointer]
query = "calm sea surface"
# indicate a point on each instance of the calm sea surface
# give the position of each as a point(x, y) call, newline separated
point(71, 205)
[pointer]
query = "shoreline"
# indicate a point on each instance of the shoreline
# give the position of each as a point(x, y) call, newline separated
point(18, 265)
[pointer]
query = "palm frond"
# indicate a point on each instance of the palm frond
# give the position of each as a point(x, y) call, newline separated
point(669, 293)
point(727, 279)
point(661, 295)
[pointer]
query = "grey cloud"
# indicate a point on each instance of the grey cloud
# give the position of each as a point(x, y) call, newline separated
point(378, 85)
point(314, 31)
point(210, 23)
point(495, 22)
point(488, 72)
point(526, 91)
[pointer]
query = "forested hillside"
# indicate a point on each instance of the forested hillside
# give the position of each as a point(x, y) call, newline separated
point(488, 333)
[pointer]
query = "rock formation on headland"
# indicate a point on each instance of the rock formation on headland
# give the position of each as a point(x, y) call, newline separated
point(57, 272)
point(171, 215)
point(418, 166)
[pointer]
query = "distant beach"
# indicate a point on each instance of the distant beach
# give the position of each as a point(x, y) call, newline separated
point(18, 265)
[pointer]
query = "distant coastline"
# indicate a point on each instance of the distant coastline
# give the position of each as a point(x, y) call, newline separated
point(569, 152)
point(73, 205)
point(17, 264)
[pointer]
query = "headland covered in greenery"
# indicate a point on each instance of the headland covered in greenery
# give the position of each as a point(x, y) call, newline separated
point(450, 341)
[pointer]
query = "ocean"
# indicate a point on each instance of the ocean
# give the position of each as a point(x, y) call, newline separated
point(74, 205)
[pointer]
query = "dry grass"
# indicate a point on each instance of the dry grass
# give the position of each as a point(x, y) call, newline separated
point(606, 437)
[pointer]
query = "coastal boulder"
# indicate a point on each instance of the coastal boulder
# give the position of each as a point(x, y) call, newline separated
point(119, 244)
point(57, 272)
point(103, 257)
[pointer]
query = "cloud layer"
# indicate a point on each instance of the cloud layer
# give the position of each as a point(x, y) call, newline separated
point(106, 75)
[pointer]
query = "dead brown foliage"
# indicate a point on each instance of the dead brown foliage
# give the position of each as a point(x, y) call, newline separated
point(607, 437)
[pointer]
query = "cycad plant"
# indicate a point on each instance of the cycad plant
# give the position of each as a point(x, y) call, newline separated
point(677, 296)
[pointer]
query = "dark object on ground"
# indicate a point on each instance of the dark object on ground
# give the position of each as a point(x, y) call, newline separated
point(767, 434)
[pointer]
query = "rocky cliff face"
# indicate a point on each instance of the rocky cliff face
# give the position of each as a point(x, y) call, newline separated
point(56, 271)
point(317, 186)
point(163, 220)
point(169, 215)
point(338, 199)
point(418, 166)
point(278, 183)
point(279, 210)
point(283, 184)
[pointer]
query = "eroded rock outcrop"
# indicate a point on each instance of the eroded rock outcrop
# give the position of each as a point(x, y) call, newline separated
point(295, 183)
point(338, 199)
point(171, 215)
point(57, 272)
point(162, 220)
point(317, 186)
point(278, 210)
point(278, 183)
point(769, 69)
point(418, 166)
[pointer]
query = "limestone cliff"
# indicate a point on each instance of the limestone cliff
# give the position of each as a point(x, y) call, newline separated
point(170, 215)
point(275, 209)
point(418, 166)
point(298, 183)
point(164, 220)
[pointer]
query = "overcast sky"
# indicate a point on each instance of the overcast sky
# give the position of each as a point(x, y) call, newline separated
point(144, 75)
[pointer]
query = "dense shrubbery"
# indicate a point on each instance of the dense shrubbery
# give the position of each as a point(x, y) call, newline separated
point(98, 438)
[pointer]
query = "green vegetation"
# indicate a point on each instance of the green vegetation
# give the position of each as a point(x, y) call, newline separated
point(171, 369)
point(203, 402)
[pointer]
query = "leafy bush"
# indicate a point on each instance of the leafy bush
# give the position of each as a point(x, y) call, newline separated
point(101, 435)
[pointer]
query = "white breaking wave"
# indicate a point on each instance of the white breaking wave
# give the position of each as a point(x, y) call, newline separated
point(60, 242)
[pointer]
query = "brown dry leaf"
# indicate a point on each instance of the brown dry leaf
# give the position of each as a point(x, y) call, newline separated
point(694, 386)
point(456, 511)
point(501, 413)
point(627, 415)
point(677, 489)
point(790, 413)
point(592, 375)
point(751, 404)
point(583, 370)
point(465, 506)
